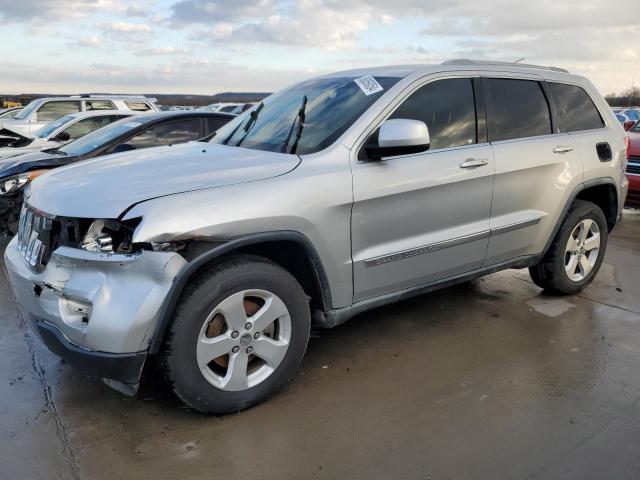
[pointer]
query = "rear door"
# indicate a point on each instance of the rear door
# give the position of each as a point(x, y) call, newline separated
point(579, 118)
point(423, 217)
point(536, 167)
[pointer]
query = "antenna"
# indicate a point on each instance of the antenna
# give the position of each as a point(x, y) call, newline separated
point(519, 60)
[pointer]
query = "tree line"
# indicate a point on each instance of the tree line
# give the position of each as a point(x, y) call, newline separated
point(627, 98)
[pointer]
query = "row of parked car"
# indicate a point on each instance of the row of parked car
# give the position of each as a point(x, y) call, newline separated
point(335, 195)
point(627, 116)
point(79, 129)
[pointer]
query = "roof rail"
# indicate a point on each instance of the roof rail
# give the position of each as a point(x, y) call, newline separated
point(107, 95)
point(465, 61)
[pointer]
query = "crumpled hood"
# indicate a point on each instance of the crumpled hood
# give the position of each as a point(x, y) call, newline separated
point(106, 186)
point(10, 135)
point(16, 126)
point(36, 145)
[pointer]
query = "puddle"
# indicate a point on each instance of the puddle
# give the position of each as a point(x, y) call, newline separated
point(551, 307)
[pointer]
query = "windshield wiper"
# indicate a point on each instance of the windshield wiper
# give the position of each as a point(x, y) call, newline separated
point(298, 125)
point(249, 125)
point(55, 151)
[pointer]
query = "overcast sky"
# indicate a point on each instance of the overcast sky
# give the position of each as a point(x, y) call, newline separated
point(210, 46)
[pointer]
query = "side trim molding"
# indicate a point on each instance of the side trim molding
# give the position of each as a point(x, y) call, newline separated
point(515, 226)
point(434, 247)
point(454, 242)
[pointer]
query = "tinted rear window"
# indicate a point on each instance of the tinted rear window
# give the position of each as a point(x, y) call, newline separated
point(575, 109)
point(518, 109)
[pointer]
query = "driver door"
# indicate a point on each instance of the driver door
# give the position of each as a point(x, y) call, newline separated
point(424, 217)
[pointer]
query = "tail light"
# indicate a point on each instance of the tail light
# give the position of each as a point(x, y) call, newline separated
point(627, 146)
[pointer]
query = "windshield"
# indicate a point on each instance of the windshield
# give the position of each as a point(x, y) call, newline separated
point(50, 127)
point(305, 118)
point(27, 111)
point(101, 137)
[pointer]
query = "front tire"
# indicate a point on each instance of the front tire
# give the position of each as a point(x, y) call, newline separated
point(239, 333)
point(577, 252)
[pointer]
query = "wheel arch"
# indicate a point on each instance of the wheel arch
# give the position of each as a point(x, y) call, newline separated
point(601, 191)
point(290, 249)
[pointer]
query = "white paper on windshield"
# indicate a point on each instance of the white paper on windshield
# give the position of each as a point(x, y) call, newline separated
point(368, 85)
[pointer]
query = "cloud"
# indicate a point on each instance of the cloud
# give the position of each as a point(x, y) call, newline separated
point(586, 36)
point(136, 11)
point(163, 51)
point(92, 41)
point(29, 10)
point(207, 11)
point(124, 27)
point(307, 23)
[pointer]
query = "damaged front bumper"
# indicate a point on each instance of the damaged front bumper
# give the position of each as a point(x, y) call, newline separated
point(97, 311)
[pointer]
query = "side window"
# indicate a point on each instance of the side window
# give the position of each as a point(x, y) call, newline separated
point(53, 110)
point(88, 125)
point(575, 109)
point(138, 106)
point(518, 109)
point(448, 109)
point(169, 133)
point(215, 123)
point(100, 105)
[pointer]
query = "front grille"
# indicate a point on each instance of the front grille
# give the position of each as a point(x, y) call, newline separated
point(34, 237)
point(634, 166)
point(39, 235)
point(634, 158)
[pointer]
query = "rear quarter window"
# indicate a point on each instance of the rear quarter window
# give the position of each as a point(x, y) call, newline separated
point(138, 106)
point(517, 109)
point(575, 111)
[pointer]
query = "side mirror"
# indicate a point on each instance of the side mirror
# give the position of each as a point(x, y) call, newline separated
point(62, 137)
point(123, 147)
point(400, 136)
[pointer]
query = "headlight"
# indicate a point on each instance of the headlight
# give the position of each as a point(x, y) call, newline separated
point(15, 183)
point(110, 236)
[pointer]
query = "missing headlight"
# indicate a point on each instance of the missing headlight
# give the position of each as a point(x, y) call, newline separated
point(110, 236)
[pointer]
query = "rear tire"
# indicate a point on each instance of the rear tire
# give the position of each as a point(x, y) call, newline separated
point(577, 252)
point(239, 333)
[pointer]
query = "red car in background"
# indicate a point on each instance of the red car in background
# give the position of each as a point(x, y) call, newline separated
point(633, 166)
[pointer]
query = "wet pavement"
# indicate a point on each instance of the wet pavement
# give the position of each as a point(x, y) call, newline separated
point(489, 379)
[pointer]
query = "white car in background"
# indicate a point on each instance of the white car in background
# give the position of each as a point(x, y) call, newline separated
point(222, 107)
point(9, 113)
point(44, 110)
point(57, 133)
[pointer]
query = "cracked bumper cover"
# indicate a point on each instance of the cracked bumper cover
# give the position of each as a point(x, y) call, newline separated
point(97, 311)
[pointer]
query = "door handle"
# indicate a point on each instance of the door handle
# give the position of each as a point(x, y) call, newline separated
point(473, 162)
point(563, 149)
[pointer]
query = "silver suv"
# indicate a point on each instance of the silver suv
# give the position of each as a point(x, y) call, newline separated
point(334, 196)
point(44, 110)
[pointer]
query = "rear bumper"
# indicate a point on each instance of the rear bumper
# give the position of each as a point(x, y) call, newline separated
point(122, 367)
